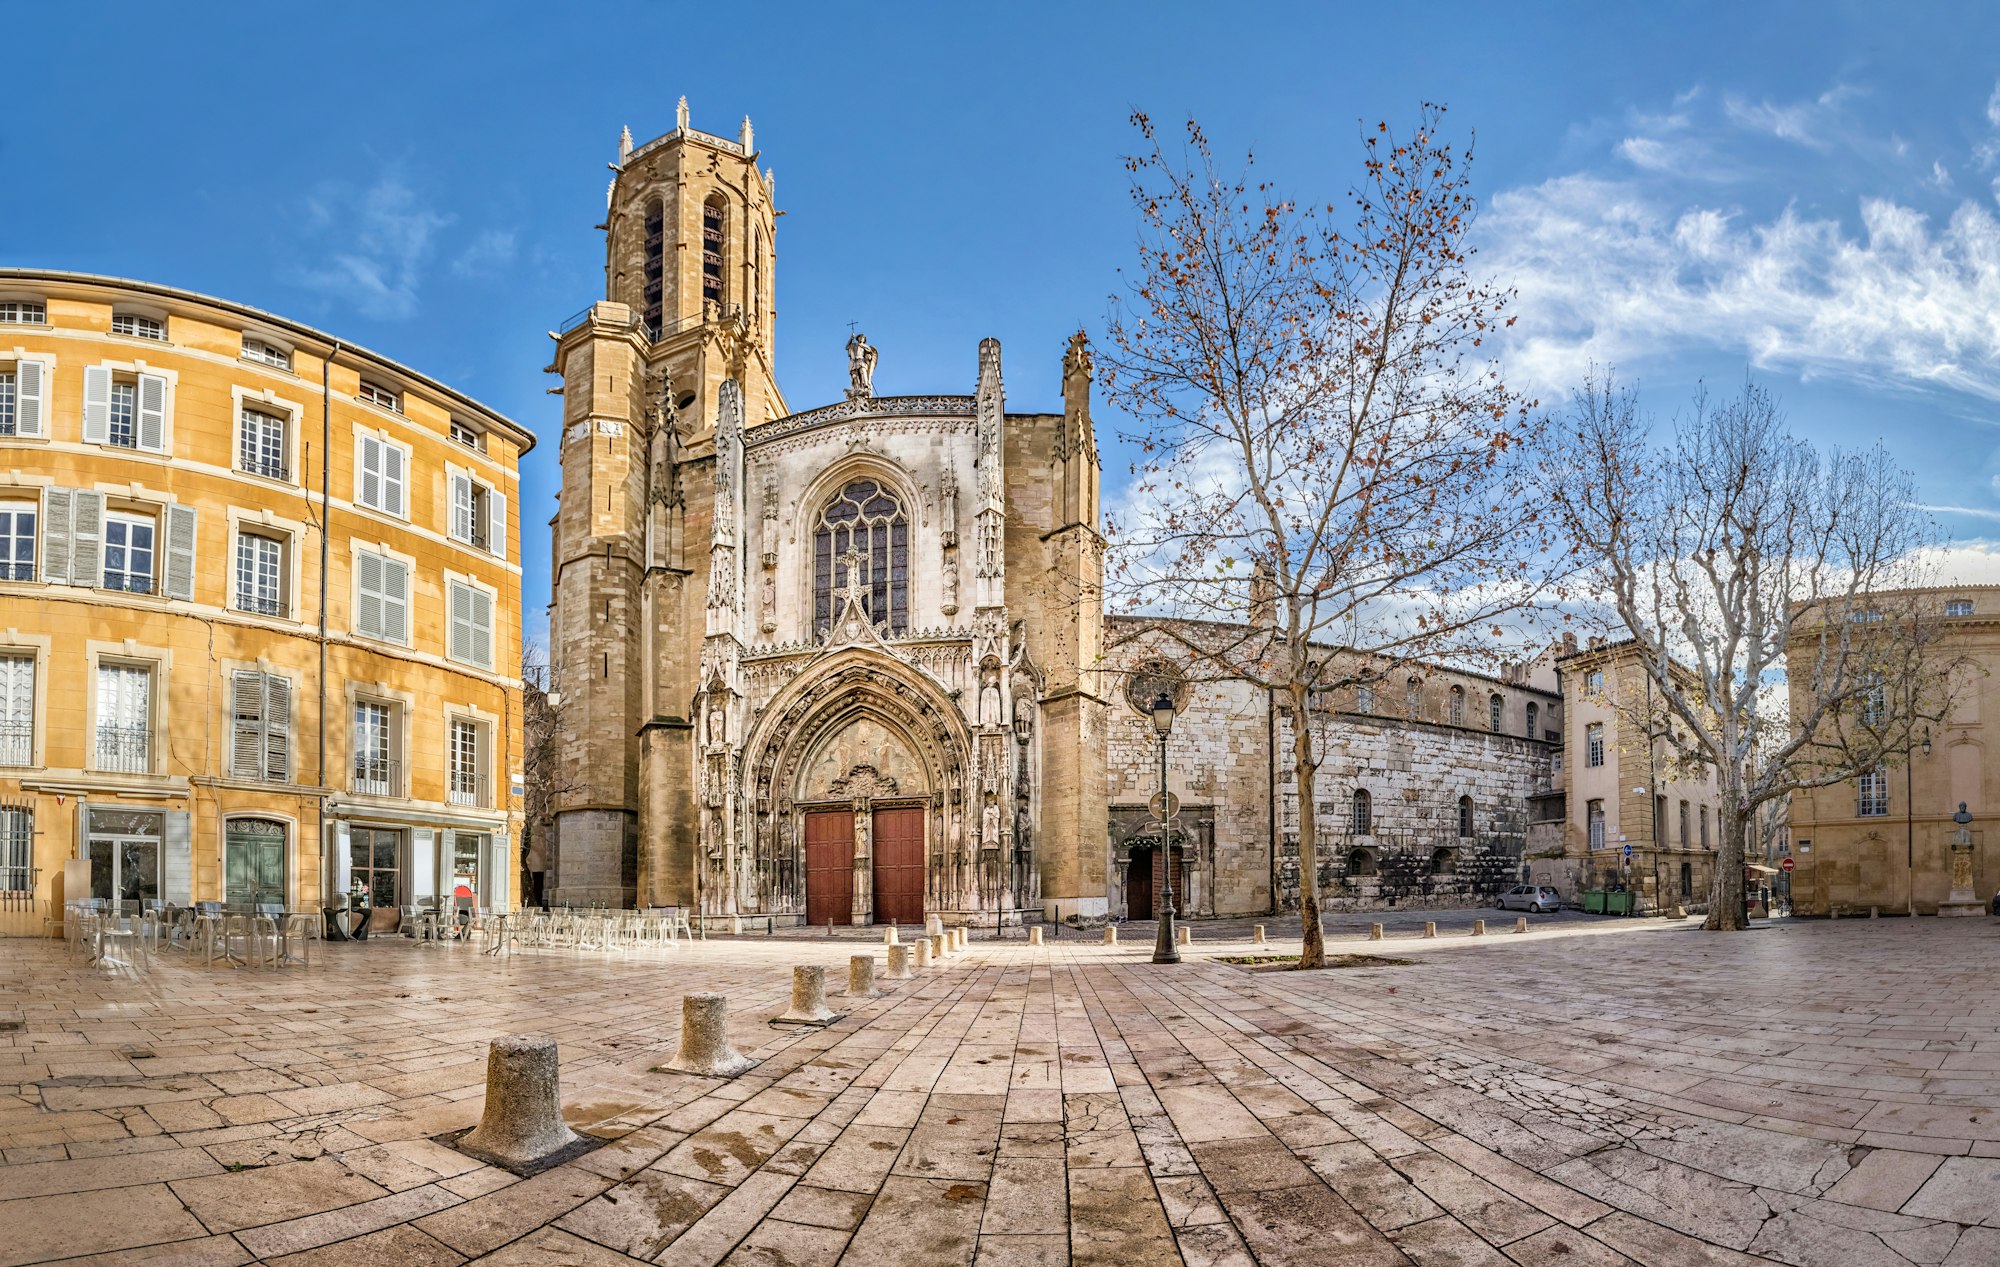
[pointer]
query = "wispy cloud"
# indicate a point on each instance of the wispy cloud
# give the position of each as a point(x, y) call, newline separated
point(489, 253)
point(368, 247)
point(1815, 124)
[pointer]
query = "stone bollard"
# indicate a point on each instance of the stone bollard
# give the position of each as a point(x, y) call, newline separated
point(1257, 934)
point(1374, 932)
point(1479, 928)
point(736, 924)
point(705, 1046)
point(889, 936)
point(899, 963)
point(1034, 934)
point(933, 925)
point(1874, 912)
point(1111, 934)
point(923, 949)
point(861, 976)
point(1520, 923)
point(1430, 928)
point(523, 1122)
point(808, 998)
point(940, 947)
point(1183, 935)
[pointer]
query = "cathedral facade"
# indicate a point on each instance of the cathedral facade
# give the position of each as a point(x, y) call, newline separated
point(851, 663)
point(831, 665)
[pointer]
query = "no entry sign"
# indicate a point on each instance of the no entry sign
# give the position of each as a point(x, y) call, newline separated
point(1785, 865)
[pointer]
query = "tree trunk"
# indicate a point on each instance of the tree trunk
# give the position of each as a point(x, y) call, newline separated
point(1305, 765)
point(1725, 890)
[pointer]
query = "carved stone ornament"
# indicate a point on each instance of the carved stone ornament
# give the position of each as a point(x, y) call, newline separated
point(860, 367)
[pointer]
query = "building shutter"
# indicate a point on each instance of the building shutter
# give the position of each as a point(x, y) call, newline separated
point(246, 724)
point(86, 537)
point(368, 473)
point(461, 505)
point(395, 600)
point(55, 535)
point(392, 479)
point(496, 523)
point(180, 552)
point(368, 594)
point(423, 863)
point(497, 874)
point(482, 628)
point(177, 860)
point(460, 646)
point(96, 404)
point(342, 865)
point(152, 413)
point(277, 728)
point(29, 377)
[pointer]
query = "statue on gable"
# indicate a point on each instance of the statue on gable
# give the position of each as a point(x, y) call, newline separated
point(860, 367)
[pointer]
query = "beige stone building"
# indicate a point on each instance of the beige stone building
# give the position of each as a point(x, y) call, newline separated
point(1630, 816)
point(259, 611)
point(1883, 841)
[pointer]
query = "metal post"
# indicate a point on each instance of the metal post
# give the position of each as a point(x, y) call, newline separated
point(1164, 949)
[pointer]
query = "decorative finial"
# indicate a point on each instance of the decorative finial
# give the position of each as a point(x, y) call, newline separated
point(681, 115)
point(624, 144)
point(748, 146)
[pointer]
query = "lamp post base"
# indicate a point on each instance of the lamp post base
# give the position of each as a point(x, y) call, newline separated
point(1164, 948)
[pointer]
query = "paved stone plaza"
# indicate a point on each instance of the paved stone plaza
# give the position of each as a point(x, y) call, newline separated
point(1593, 1092)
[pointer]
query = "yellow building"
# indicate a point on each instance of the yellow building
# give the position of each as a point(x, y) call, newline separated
point(259, 599)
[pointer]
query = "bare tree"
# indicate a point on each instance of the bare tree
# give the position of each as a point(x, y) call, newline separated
point(1323, 438)
point(542, 736)
point(1776, 596)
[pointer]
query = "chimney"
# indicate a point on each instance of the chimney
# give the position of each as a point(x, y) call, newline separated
point(1569, 642)
point(1597, 642)
point(1263, 597)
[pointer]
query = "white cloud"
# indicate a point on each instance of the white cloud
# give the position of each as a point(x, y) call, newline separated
point(1993, 106)
point(486, 255)
point(1809, 123)
point(370, 246)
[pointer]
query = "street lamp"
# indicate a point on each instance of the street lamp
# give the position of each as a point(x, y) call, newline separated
point(1164, 949)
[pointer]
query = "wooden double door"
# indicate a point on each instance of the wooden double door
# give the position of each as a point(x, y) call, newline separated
point(898, 870)
point(1145, 884)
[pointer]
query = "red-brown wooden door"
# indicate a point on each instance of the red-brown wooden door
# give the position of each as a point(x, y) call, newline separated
point(899, 866)
point(829, 867)
point(1139, 885)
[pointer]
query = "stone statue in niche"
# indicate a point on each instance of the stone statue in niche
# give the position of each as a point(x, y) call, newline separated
point(950, 604)
point(989, 826)
point(767, 594)
point(990, 711)
point(860, 367)
point(718, 723)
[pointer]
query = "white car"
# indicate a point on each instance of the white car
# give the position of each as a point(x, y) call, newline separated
point(1530, 897)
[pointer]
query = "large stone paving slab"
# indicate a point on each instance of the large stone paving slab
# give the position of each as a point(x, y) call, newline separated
point(1593, 1092)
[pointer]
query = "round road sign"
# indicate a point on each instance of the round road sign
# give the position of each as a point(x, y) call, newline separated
point(1785, 865)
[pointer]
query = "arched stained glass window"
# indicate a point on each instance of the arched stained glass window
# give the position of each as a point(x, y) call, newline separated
point(865, 521)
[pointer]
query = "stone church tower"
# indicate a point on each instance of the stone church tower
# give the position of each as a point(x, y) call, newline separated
point(841, 664)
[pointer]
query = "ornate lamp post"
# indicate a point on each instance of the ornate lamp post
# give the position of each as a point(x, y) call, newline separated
point(1164, 949)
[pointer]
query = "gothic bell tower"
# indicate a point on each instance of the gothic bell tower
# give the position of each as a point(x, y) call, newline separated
point(690, 248)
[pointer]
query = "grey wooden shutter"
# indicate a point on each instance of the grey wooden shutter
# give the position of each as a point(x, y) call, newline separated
point(181, 540)
point(368, 473)
point(96, 404)
point(461, 505)
point(277, 728)
point(423, 863)
point(392, 479)
point(55, 535)
point(86, 537)
point(496, 523)
point(28, 393)
point(152, 413)
point(246, 724)
point(368, 594)
point(177, 860)
point(460, 645)
point(395, 600)
point(343, 860)
point(482, 628)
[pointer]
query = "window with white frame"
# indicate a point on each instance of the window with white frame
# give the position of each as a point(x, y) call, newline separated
point(478, 514)
point(17, 849)
point(1594, 823)
point(1958, 607)
point(1456, 706)
point(1874, 700)
point(24, 312)
point(262, 444)
point(128, 552)
point(381, 597)
point(125, 718)
point(17, 540)
point(265, 352)
point(1593, 744)
point(260, 574)
point(1873, 794)
point(1593, 682)
point(21, 397)
point(467, 434)
point(1704, 827)
point(17, 709)
point(138, 325)
point(467, 783)
point(381, 396)
point(260, 726)
point(1363, 813)
point(124, 410)
point(471, 633)
point(375, 771)
point(380, 470)
point(1364, 698)
point(124, 432)
point(1493, 718)
point(10, 397)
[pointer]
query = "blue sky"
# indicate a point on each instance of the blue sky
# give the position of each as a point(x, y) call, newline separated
point(1806, 192)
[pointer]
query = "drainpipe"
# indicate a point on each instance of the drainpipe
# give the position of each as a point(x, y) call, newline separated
point(325, 554)
point(1271, 782)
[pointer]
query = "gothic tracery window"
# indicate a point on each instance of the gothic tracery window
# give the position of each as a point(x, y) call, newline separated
point(656, 277)
point(714, 255)
point(865, 521)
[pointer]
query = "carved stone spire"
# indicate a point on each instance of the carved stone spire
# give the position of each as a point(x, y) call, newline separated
point(624, 144)
point(681, 115)
point(990, 519)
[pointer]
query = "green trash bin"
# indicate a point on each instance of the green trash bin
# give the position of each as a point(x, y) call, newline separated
point(1593, 901)
point(1618, 904)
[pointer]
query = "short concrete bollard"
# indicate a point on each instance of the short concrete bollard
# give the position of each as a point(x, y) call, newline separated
point(861, 976)
point(940, 947)
point(933, 925)
point(1257, 934)
point(1183, 935)
point(1111, 934)
point(1520, 923)
point(1874, 912)
point(1034, 934)
point(523, 1122)
point(808, 998)
point(889, 936)
point(962, 936)
point(923, 948)
point(1374, 932)
point(705, 1046)
point(736, 924)
point(899, 963)
point(1430, 928)
point(1479, 928)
